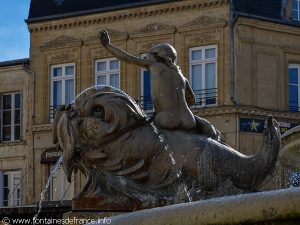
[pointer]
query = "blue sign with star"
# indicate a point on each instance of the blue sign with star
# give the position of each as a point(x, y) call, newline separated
point(252, 125)
point(258, 125)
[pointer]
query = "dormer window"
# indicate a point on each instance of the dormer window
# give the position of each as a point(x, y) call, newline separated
point(296, 10)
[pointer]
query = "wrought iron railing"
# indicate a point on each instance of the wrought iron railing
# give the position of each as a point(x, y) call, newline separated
point(204, 97)
point(146, 103)
point(52, 110)
point(294, 106)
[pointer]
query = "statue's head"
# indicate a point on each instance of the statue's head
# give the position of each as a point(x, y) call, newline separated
point(164, 51)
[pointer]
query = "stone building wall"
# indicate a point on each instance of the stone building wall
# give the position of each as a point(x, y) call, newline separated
point(14, 155)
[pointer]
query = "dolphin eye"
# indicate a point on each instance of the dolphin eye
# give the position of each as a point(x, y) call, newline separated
point(98, 111)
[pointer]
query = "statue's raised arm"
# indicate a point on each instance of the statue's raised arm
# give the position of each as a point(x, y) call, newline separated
point(119, 53)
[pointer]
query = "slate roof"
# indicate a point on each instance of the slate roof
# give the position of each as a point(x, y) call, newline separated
point(14, 62)
point(261, 8)
point(52, 9)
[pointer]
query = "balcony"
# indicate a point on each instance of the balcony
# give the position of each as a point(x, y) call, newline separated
point(204, 98)
point(145, 103)
point(52, 110)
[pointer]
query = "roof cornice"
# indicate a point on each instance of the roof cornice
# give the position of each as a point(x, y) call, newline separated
point(15, 62)
point(87, 20)
point(93, 11)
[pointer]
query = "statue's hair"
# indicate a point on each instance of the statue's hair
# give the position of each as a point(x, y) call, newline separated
point(167, 54)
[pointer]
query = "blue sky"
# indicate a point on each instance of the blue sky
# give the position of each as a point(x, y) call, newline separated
point(14, 35)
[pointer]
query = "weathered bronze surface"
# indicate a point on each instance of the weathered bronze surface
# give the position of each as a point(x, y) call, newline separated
point(136, 165)
point(140, 162)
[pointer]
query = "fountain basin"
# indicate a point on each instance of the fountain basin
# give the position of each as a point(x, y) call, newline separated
point(290, 152)
point(272, 207)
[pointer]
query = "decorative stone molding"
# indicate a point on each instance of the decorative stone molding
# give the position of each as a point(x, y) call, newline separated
point(58, 56)
point(246, 110)
point(180, 6)
point(154, 29)
point(206, 37)
point(213, 37)
point(99, 52)
point(63, 57)
point(62, 41)
point(202, 22)
point(42, 127)
point(114, 35)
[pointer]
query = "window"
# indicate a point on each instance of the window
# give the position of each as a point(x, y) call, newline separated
point(145, 98)
point(203, 72)
point(60, 188)
point(293, 87)
point(11, 188)
point(296, 10)
point(62, 84)
point(107, 72)
point(11, 117)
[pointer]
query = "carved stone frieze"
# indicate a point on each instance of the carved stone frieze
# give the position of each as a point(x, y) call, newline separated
point(99, 52)
point(114, 34)
point(156, 27)
point(61, 57)
point(61, 41)
point(206, 37)
point(203, 21)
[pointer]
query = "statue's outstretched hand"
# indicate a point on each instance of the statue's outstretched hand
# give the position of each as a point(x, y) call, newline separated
point(104, 37)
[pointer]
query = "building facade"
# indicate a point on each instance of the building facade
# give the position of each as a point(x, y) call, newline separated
point(242, 59)
point(14, 145)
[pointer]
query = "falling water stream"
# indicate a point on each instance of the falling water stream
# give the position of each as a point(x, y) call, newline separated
point(43, 193)
point(170, 153)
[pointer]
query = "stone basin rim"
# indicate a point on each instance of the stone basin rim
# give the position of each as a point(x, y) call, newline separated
point(252, 207)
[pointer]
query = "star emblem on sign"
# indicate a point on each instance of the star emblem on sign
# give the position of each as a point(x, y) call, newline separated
point(254, 125)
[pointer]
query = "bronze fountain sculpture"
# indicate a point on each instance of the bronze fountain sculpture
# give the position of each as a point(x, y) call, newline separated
point(175, 157)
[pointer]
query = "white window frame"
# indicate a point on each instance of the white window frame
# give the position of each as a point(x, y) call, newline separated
point(12, 122)
point(296, 10)
point(108, 72)
point(12, 188)
point(202, 62)
point(62, 78)
point(296, 66)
